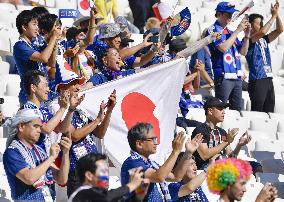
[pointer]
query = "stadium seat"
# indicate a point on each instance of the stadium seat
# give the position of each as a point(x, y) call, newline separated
point(280, 136)
point(262, 155)
point(269, 145)
point(7, 7)
point(276, 60)
point(196, 114)
point(264, 125)
point(276, 116)
point(9, 16)
point(4, 67)
point(13, 88)
point(246, 99)
point(279, 107)
point(269, 177)
point(273, 166)
point(242, 123)
point(1, 132)
point(20, 8)
point(4, 43)
point(3, 145)
point(253, 114)
point(232, 113)
point(10, 106)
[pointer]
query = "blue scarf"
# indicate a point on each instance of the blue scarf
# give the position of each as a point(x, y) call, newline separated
point(153, 164)
point(232, 63)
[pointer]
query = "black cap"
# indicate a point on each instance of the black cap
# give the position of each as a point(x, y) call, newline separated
point(215, 102)
point(72, 32)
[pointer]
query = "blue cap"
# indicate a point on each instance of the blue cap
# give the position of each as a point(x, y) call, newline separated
point(226, 7)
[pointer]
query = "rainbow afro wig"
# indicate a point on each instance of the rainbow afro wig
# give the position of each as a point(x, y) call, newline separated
point(225, 172)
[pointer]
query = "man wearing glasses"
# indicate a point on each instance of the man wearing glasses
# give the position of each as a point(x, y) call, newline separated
point(226, 54)
point(261, 89)
point(143, 142)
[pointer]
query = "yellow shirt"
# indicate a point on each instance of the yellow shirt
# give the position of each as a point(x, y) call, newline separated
point(107, 9)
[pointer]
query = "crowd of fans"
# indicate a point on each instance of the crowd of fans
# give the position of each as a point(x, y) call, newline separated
point(52, 139)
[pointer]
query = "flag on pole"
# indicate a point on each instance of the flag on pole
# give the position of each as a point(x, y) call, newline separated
point(181, 22)
point(84, 6)
point(148, 96)
point(162, 10)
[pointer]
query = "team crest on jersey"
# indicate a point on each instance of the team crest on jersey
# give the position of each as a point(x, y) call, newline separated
point(228, 58)
point(211, 29)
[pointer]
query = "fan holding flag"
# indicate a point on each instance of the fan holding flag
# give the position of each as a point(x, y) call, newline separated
point(225, 54)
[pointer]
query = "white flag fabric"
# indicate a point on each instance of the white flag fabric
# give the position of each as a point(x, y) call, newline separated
point(148, 96)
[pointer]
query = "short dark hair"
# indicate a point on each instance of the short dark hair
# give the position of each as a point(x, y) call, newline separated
point(40, 11)
point(24, 18)
point(32, 77)
point(138, 132)
point(253, 16)
point(47, 21)
point(88, 163)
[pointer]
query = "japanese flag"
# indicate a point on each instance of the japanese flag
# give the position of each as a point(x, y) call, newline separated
point(84, 6)
point(148, 96)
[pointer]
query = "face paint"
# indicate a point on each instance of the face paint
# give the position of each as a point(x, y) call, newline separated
point(102, 176)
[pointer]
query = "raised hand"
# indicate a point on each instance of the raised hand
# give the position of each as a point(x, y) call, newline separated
point(178, 142)
point(111, 101)
point(64, 99)
point(268, 193)
point(243, 24)
point(101, 113)
point(66, 143)
point(54, 150)
point(275, 9)
point(199, 65)
point(145, 41)
point(75, 100)
point(232, 134)
point(244, 139)
point(192, 145)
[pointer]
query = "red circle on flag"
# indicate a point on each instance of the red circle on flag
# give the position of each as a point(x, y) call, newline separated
point(84, 4)
point(137, 108)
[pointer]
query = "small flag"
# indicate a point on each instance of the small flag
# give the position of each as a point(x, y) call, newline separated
point(181, 22)
point(84, 7)
point(162, 10)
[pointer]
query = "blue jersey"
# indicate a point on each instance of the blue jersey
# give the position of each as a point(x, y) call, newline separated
point(14, 162)
point(85, 145)
point(197, 196)
point(109, 75)
point(153, 194)
point(259, 60)
point(22, 54)
point(228, 64)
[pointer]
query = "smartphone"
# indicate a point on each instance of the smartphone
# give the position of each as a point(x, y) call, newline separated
point(154, 39)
